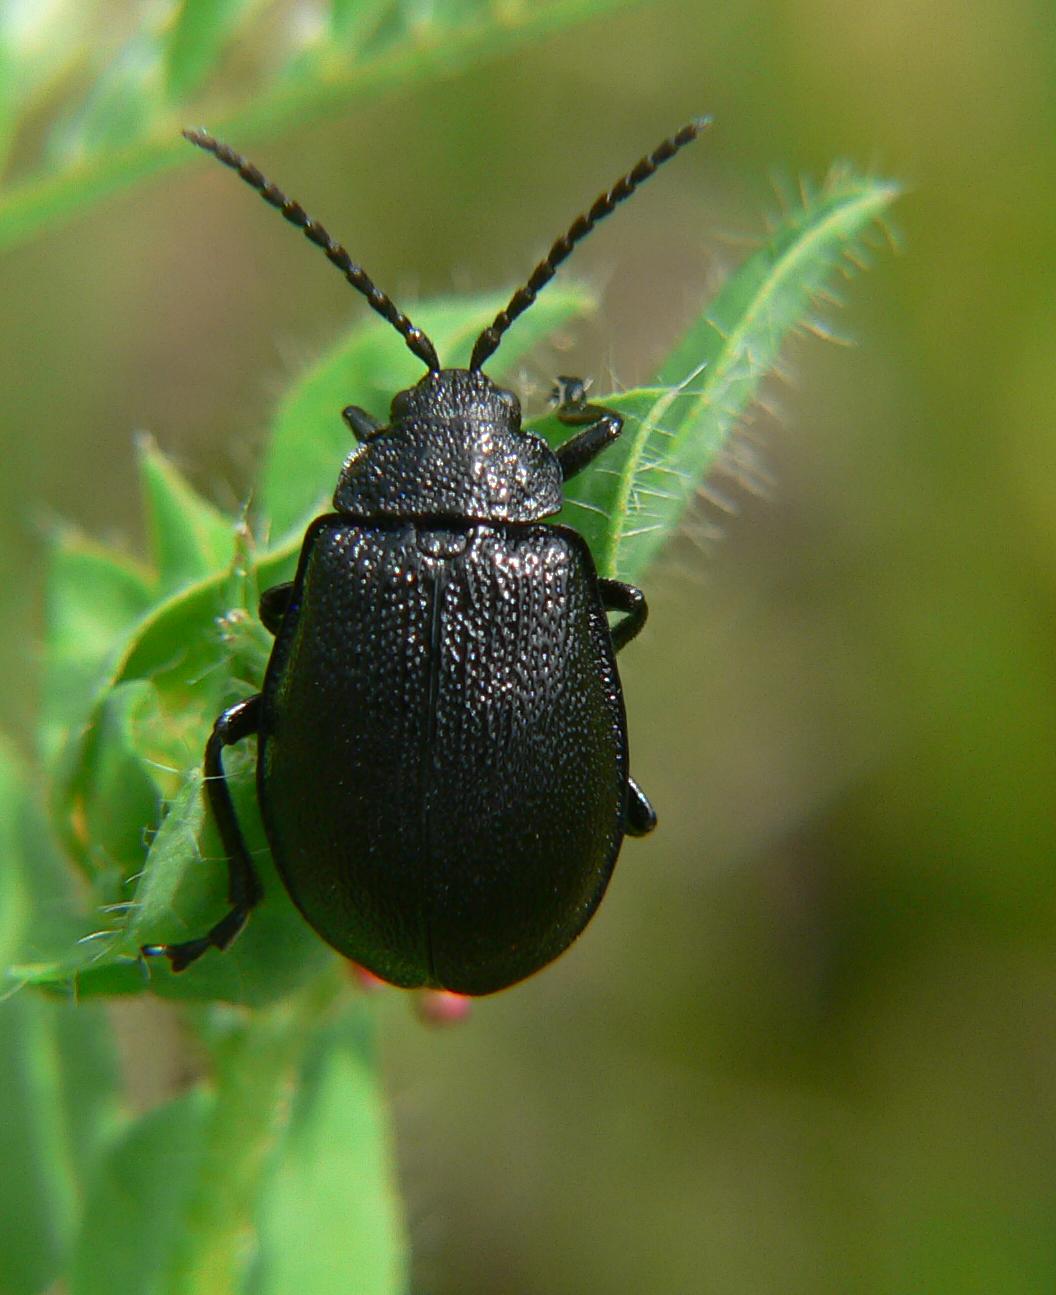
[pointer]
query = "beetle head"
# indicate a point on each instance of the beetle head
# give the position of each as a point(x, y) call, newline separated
point(465, 395)
point(455, 449)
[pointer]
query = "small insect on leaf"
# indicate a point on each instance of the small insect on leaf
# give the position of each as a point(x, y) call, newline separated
point(442, 758)
point(440, 780)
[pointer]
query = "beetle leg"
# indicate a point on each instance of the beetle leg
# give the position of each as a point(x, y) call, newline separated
point(243, 885)
point(639, 817)
point(273, 604)
point(619, 597)
point(361, 424)
point(600, 426)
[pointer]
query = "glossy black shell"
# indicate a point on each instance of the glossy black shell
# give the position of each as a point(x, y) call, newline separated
point(442, 763)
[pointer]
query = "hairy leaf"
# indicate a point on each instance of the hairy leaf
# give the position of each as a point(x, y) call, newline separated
point(676, 427)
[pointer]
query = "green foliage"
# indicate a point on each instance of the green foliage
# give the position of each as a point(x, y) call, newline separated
point(225, 62)
point(139, 659)
point(235, 1156)
point(58, 1081)
point(337, 1127)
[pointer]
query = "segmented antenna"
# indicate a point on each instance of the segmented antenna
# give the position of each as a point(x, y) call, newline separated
point(416, 340)
point(542, 274)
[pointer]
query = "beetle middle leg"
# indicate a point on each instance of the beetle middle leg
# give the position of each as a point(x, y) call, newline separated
point(600, 426)
point(244, 891)
point(616, 596)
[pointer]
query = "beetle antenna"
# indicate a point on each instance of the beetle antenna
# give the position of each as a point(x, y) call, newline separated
point(542, 274)
point(416, 340)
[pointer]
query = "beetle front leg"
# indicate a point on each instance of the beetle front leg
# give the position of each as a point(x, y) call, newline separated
point(244, 891)
point(600, 426)
point(273, 604)
point(619, 597)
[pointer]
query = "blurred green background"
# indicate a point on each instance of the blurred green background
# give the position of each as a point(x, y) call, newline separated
point(808, 1043)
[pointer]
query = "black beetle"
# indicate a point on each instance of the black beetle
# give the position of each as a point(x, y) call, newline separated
point(442, 746)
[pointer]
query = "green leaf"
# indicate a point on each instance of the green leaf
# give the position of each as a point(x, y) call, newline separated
point(354, 22)
point(93, 599)
point(674, 429)
point(75, 978)
point(197, 37)
point(122, 102)
point(13, 897)
point(55, 936)
point(183, 891)
point(134, 1214)
point(189, 537)
point(188, 646)
point(58, 1087)
point(39, 44)
point(330, 1204)
point(309, 441)
point(173, 1211)
point(114, 622)
point(355, 31)
point(118, 792)
point(129, 126)
point(40, 915)
point(58, 1074)
point(9, 104)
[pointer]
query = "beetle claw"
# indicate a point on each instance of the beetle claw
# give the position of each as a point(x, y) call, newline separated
point(180, 956)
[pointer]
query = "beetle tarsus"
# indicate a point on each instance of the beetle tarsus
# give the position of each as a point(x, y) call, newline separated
point(600, 426)
point(243, 885)
point(569, 395)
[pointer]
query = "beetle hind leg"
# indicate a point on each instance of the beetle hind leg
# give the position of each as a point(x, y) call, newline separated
point(616, 596)
point(243, 885)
